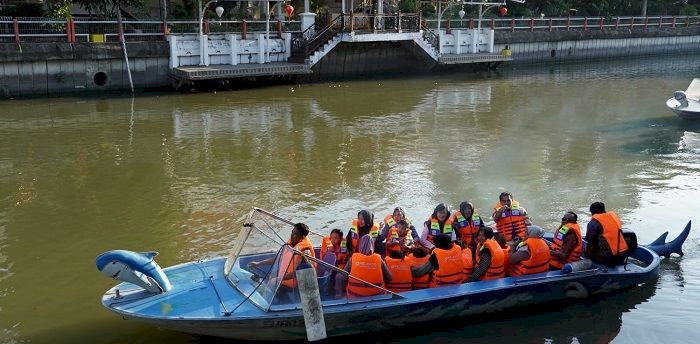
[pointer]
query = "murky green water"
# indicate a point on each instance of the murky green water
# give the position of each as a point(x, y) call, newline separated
point(177, 173)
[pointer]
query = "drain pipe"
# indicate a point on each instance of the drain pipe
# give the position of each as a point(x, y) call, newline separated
point(123, 42)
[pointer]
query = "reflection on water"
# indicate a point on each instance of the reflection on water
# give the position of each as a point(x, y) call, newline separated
point(177, 173)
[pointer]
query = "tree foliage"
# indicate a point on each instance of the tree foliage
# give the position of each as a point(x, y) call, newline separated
point(108, 7)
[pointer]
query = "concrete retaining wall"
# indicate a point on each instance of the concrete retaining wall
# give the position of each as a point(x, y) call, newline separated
point(58, 69)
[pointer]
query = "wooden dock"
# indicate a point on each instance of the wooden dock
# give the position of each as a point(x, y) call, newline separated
point(190, 74)
point(450, 59)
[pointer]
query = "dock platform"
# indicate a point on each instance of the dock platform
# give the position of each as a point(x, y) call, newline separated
point(218, 72)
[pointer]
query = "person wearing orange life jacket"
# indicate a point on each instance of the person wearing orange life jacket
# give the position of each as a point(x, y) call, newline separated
point(489, 262)
point(389, 230)
point(467, 260)
point(419, 256)
point(605, 243)
point(363, 224)
point(467, 224)
point(289, 260)
point(439, 222)
point(400, 267)
point(531, 255)
point(511, 219)
point(367, 266)
point(338, 245)
point(567, 244)
point(445, 263)
point(400, 239)
point(505, 248)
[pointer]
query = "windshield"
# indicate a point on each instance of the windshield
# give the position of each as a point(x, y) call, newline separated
point(263, 265)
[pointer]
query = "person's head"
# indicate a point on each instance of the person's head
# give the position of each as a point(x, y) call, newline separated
point(396, 254)
point(534, 231)
point(441, 212)
point(365, 246)
point(569, 217)
point(597, 208)
point(336, 236)
point(484, 234)
point(466, 208)
point(299, 232)
point(442, 241)
point(365, 218)
point(402, 228)
point(505, 198)
point(419, 251)
point(399, 214)
point(500, 239)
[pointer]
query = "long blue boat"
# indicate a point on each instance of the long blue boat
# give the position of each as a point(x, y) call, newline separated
point(223, 297)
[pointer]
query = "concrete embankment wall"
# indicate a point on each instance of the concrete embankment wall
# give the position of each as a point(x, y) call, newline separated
point(59, 69)
point(56, 69)
point(544, 47)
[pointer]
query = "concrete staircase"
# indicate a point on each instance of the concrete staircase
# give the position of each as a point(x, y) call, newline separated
point(324, 50)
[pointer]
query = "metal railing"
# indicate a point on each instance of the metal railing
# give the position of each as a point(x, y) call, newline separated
point(568, 23)
point(59, 30)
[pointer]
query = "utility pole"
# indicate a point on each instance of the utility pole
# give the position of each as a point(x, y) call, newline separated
point(644, 8)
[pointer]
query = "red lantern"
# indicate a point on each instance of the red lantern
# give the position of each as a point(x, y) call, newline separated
point(289, 9)
point(503, 11)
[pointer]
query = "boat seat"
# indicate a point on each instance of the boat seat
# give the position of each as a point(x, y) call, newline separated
point(324, 272)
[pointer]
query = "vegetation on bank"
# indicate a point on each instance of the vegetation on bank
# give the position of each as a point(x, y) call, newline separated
point(236, 10)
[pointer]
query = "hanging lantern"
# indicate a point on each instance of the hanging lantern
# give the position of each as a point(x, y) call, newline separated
point(461, 14)
point(289, 10)
point(503, 11)
point(219, 11)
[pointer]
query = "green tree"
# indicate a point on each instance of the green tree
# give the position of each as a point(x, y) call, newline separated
point(108, 8)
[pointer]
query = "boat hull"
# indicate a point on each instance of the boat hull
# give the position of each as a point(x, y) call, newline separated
point(197, 314)
point(692, 111)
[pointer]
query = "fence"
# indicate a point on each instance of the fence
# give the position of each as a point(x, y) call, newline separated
point(71, 31)
point(568, 23)
point(55, 30)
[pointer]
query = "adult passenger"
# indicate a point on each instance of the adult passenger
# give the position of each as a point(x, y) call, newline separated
point(489, 257)
point(363, 224)
point(445, 263)
point(439, 222)
point(567, 243)
point(367, 266)
point(467, 224)
point(604, 241)
point(531, 255)
point(511, 219)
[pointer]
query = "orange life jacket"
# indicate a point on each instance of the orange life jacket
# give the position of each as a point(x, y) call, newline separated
point(420, 282)
point(401, 277)
point(389, 221)
point(368, 268)
point(341, 252)
point(496, 269)
point(450, 267)
point(538, 261)
point(434, 228)
point(612, 232)
point(512, 222)
point(355, 233)
point(467, 262)
point(467, 229)
point(289, 261)
point(558, 241)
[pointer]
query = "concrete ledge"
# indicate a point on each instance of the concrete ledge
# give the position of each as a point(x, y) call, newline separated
point(505, 37)
point(27, 52)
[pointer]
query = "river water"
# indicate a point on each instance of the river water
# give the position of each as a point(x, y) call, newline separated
point(177, 173)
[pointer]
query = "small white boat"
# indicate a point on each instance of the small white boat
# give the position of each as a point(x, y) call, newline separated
point(686, 104)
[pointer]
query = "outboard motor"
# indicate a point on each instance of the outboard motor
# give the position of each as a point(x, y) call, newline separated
point(681, 97)
point(630, 240)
